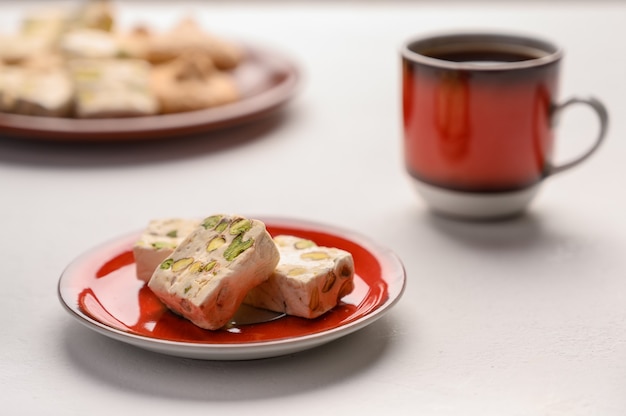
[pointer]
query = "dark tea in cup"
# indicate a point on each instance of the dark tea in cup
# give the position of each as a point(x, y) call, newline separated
point(479, 112)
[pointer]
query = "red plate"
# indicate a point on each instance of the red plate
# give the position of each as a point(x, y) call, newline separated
point(101, 290)
point(267, 81)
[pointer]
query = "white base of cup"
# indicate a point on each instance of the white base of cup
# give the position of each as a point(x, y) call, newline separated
point(476, 206)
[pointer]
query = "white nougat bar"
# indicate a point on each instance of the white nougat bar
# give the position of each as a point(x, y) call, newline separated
point(308, 281)
point(208, 275)
point(158, 241)
point(112, 88)
point(36, 92)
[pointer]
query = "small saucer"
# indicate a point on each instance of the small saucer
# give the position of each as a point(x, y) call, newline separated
point(476, 206)
point(101, 290)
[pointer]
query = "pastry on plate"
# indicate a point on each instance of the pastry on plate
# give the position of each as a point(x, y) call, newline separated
point(186, 36)
point(192, 82)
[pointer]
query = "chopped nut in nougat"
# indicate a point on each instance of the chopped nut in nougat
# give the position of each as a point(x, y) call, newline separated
point(208, 275)
point(158, 241)
point(308, 281)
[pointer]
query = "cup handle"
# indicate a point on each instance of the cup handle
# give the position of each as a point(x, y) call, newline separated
point(603, 117)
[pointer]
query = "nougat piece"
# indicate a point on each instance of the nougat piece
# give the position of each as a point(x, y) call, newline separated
point(15, 49)
point(45, 61)
point(46, 24)
point(309, 280)
point(89, 43)
point(112, 88)
point(11, 77)
point(95, 14)
point(158, 241)
point(208, 275)
point(46, 92)
point(51, 22)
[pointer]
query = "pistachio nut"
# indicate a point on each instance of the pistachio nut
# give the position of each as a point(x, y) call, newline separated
point(237, 246)
point(302, 244)
point(211, 222)
point(296, 271)
point(166, 264)
point(163, 244)
point(222, 225)
point(240, 226)
point(209, 266)
point(196, 267)
point(314, 255)
point(215, 243)
point(182, 264)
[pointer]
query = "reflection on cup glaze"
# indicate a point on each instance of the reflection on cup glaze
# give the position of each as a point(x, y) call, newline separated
point(543, 141)
point(452, 115)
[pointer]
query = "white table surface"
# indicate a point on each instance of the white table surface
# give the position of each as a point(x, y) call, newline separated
point(522, 317)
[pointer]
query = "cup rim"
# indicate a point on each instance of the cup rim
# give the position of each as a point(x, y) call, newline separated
point(553, 52)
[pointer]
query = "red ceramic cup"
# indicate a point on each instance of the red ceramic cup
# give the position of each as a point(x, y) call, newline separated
point(479, 113)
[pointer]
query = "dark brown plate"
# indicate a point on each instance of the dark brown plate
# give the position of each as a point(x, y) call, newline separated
point(267, 80)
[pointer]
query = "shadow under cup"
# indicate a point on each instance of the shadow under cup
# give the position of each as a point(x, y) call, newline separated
point(478, 114)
